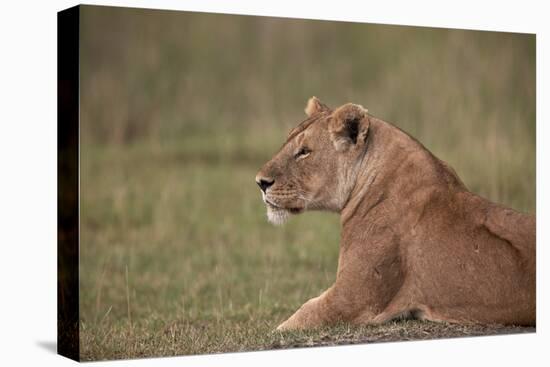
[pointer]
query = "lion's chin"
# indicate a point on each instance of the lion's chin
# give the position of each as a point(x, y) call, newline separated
point(277, 216)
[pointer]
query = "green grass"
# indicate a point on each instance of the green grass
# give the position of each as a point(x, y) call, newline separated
point(178, 113)
point(177, 256)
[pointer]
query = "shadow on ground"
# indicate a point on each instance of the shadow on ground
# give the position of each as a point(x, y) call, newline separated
point(48, 345)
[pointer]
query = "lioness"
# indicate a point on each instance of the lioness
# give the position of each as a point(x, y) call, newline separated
point(415, 243)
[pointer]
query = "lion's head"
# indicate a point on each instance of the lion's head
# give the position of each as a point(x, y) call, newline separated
point(316, 167)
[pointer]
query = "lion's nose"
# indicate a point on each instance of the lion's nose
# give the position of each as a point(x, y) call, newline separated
point(264, 183)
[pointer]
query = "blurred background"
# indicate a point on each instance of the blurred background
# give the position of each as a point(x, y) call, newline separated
point(178, 112)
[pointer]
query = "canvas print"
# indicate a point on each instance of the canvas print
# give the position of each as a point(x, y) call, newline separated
point(236, 183)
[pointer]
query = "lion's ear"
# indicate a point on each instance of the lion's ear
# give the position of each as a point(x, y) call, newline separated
point(349, 126)
point(314, 105)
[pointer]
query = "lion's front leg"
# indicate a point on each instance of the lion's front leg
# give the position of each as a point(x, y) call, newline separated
point(359, 294)
point(309, 315)
point(330, 307)
point(338, 303)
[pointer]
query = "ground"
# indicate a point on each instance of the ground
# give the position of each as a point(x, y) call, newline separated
point(184, 338)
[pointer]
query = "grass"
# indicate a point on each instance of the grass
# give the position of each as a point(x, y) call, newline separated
point(225, 336)
point(177, 258)
point(179, 111)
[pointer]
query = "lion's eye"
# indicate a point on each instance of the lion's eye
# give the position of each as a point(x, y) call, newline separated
point(304, 151)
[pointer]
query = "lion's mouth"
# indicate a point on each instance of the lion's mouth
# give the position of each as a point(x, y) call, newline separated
point(293, 210)
point(278, 214)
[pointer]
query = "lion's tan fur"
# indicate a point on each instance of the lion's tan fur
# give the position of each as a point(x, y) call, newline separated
point(414, 242)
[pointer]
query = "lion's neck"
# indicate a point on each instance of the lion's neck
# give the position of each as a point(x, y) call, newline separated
point(393, 170)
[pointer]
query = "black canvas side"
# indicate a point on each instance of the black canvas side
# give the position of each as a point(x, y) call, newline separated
point(68, 23)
